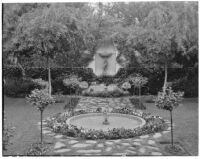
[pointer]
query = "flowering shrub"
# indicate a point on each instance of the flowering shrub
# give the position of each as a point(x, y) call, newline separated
point(83, 85)
point(126, 85)
point(108, 94)
point(137, 104)
point(42, 83)
point(40, 99)
point(168, 100)
point(71, 81)
point(71, 104)
point(36, 149)
point(105, 91)
point(138, 80)
point(153, 124)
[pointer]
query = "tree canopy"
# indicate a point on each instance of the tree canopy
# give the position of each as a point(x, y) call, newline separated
point(145, 32)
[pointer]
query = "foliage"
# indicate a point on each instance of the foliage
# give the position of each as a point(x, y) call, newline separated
point(37, 150)
point(155, 79)
point(138, 80)
point(71, 104)
point(18, 87)
point(12, 72)
point(148, 34)
point(40, 99)
point(175, 150)
point(83, 85)
point(148, 98)
point(136, 103)
point(186, 85)
point(105, 93)
point(126, 85)
point(168, 100)
point(153, 124)
point(72, 80)
point(42, 83)
point(8, 132)
point(59, 98)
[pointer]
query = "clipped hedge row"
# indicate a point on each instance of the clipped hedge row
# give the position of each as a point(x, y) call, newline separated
point(155, 79)
point(12, 72)
point(19, 87)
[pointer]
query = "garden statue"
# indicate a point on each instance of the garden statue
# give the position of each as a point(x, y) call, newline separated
point(105, 114)
point(105, 66)
point(105, 59)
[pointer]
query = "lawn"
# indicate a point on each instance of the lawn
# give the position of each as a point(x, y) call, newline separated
point(25, 118)
point(185, 118)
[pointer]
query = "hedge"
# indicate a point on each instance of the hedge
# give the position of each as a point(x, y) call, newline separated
point(12, 72)
point(19, 87)
point(155, 78)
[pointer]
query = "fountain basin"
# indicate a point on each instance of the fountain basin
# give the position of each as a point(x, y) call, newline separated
point(116, 120)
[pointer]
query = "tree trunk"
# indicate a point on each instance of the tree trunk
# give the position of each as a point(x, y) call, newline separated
point(49, 76)
point(19, 64)
point(139, 96)
point(41, 112)
point(172, 141)
point(23, 70)
point(165, 81)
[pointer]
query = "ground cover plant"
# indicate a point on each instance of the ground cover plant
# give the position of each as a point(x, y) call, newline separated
point(153, 124)
point(8, 133)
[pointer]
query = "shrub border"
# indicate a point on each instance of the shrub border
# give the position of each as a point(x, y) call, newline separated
point(117, 133)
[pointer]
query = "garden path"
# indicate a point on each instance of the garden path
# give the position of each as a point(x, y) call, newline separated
point(92, 103)
point(142, 145)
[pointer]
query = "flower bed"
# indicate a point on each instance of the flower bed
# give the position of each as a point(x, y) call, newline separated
point(102, 90)
point(58, 124)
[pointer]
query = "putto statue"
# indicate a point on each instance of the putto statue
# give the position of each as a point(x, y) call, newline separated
point(104, 61)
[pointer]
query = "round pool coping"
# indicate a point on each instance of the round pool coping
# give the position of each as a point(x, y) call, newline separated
point(143, 122)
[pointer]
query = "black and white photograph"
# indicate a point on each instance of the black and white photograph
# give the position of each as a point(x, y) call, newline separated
point(100, 78)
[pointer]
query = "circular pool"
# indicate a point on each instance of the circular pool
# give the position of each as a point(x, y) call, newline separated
point(116, 120)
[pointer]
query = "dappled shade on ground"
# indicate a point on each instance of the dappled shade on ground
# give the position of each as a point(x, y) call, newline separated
point(25, 118)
